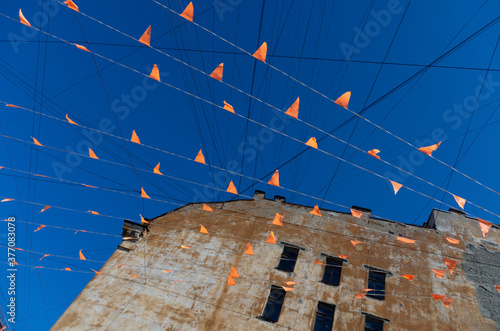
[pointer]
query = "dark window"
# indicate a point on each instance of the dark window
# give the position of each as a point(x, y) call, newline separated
point(333, 269)
point(274, 303)
point(373, 324)
point(324, 317)
point(288, 258)
point(376, 282)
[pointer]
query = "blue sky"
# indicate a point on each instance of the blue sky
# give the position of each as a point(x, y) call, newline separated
point(307, 40)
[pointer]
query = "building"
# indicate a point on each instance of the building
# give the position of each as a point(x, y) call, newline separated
point(136, 290)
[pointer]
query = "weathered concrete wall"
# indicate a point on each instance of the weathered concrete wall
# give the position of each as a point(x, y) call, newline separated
point(195, 297)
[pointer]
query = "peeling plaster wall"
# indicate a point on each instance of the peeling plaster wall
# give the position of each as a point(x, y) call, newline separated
point(195, 295)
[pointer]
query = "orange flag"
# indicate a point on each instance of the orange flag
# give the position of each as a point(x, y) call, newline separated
point(135, 138)
point(92, 154)
point(261, 53)
point(438, 296)
point(485, 226)
point(288, 289)
point(290, 283)
point(231, 188)
point(278, 220)
point(228, 107)
point(450, 264)
point(188, 12)
point(359, 295)
point(93, 212)
point(143, 220)
point(271, 239)
point(23, 19)
point(453, 241)
point(406, 240)
point(355, 242)
point(146, 37)
point(343, 256)
point(135, 276)
point(367, 289)
point(315, 211)
point(36, 142)
point(203, 229)
point(155, 73)
point(83, 48)
point(396, 187)
point(184, 246)
point(144, 194)
point(275, 179)
point(207, 208)
point(200, 158)
point(447, 302)
point(409, 277)
point(70, 120)
point(43, 257)
point(312, 143)
point(40, 227)
point(156, 170)
point(356, 213)
point(166, 271)
point(343, 100)
point(234, 273)
point(317, 262)
point(7, 200)
point(217, 73)
point(460, 201)
point(230, 281)
point(249, 250)
point(121, 265)
point(497, 287)
point(294, 109)
point(429, 149)
point(11, 105)
point(81, 255)
point(374, 153)
point(72, 5)
point(44, 209)
point(96, 272)
point(80, 231)
point(439, 273)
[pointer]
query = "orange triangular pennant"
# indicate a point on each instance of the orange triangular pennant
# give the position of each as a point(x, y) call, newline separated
point(135, 138)
point(67, 269)
point(278, 220)
point(146, 37)
point(429, 149)
point(275, 179)
point(200, 158)
point(23, 19)
point(217, 73)
point(438, 296)
point(374, 153)
point(453, 241)
point(40, 227)
point(290, 283)
point(315, 211)
point(155, 73)
point(342, 256)
point(92, 154)
point(460, 201)
point(96, 272)
point(230, 281)
point(271, 239)
point(234, 273)
point(450, 264)
point(294, 109)
point(72, 5)
point(485, 226)
point(497, 287)
point(312, 143)
point(439, 273)
point(317, 262)
point(44, 257)
point(7, 200)
point(228, 107)
point(356, 213)
point(396, 187)
point(447, 302)
point(261, 53)
point(207, 208)
point(156, 170)
point(249, 250)
point(288, 289)
point(81, 255)
point(143, 194)
point(188, 13)
point(93, 212)
point(36, 142)
point(406, 240)
point(231, 188)
point(355, 242)
point(409, 277)
point(203, 229)
point(343, 100)
point(82, 48)
point(44, 209)
point(143, 220)
point(70, 120)
point(184, 246)
point(359, 295)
